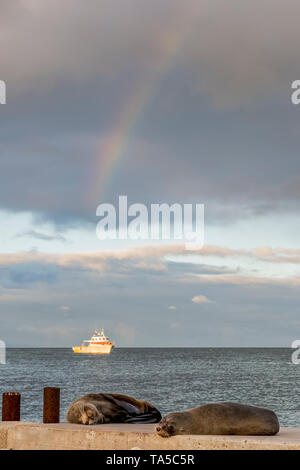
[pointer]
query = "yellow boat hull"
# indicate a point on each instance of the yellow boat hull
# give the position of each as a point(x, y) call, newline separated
point(106, 349)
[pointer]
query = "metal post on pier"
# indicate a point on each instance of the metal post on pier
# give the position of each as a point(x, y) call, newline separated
point(11, 406)
point(51, 405)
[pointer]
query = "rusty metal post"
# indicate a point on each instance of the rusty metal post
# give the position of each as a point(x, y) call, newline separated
point(51, 405)
point(11, 406)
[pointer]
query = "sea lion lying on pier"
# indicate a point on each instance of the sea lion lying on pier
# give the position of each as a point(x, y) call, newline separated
point(220, 418)
point(101, 408)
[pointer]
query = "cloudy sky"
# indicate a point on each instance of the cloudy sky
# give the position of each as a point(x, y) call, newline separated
point(162, 101)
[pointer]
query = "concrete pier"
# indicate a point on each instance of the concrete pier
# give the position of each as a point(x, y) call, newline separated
point(21, 435)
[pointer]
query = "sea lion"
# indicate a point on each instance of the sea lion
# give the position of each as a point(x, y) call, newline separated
point(220, 418)
point(101, 408)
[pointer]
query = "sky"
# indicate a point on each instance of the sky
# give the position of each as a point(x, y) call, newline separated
point(165, 102)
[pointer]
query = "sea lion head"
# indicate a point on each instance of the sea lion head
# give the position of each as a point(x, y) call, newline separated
point(171, 424)
point(91, 415)
point(82, 412)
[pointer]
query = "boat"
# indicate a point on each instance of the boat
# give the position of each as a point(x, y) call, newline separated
point(98, 344)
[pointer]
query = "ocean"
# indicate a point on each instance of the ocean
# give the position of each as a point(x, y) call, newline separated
point(173, 379)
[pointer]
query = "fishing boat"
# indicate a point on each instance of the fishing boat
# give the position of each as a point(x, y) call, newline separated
point(98, 344)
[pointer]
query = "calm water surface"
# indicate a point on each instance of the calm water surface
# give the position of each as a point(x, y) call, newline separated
point(172, 379)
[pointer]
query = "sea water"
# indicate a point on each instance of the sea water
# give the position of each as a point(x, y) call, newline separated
point(172, 379)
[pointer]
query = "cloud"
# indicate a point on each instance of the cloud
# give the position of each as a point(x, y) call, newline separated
point(290, 281)
point(200, 299)
point(200, 58)
point(49, 332)
point(154, 260)
point(215, 43)
point(130, 312)
point(148, 256)
point(41, 236)
point(172, 307)
point(28, 274)
point(240, 65)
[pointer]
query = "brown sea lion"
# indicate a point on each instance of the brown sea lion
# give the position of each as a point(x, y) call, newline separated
point(101, 408)
point(220, 418)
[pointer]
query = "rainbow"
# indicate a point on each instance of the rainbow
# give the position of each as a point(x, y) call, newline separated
point(112, 149)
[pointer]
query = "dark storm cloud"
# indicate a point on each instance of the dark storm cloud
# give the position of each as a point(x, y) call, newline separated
point(217, 127)
point(68, 40)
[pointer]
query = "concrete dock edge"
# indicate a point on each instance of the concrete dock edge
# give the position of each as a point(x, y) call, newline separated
point(26, 436)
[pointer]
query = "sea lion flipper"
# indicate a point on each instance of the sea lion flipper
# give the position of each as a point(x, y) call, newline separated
point(131, 409)
point(138, 412)
point(152, 417)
